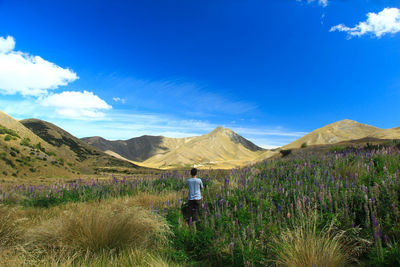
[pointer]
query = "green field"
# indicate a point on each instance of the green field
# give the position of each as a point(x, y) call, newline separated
point(334, 208)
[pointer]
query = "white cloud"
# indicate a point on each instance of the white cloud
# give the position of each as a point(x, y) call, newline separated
point(72, 104)
point(323, 3)
point(6, 44)
point(385, 22)
point(27, 74)
point(118, 99)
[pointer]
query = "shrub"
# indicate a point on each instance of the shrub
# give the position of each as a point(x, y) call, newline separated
point(304, 145)
point(4, 130)
point(51, 153)
point(25, 142)
point(98, 227)
point(285, 152)
point(9, 138)
point(38, 146)
point(304, 245)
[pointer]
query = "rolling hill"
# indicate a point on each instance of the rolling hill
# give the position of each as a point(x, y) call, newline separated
point(24, 154)
point(35, 148)
point(221, 148)
point(344, 130)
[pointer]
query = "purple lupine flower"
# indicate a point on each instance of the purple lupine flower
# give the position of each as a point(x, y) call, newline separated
point(231, 246)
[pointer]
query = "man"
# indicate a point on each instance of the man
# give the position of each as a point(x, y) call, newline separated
point(195, 185)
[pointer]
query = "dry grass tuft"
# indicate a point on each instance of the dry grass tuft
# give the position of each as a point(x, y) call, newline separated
point(98, 227)
point(303, 245)
point(129, 257)
point(148, 200)
point(9, 231)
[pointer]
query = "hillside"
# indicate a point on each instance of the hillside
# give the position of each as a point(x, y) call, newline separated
point(221, 148)
point(344, 130)
point(34, 148)
point(82, 153)
point(24, 154)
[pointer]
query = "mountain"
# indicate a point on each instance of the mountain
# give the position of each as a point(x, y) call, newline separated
point(221, 148)
point(79, 150)
point(24, 154)
point(35, 148)
point(344, 130)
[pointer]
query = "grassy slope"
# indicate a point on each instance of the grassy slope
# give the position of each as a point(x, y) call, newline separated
point(39, 150)
point(86, 157)
point(344, 130)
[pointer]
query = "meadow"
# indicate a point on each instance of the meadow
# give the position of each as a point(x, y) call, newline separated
point(339, 208)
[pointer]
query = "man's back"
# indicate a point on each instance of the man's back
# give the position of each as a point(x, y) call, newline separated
point(195, 185)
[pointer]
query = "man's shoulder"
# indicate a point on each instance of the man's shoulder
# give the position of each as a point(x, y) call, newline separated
point(194, 180)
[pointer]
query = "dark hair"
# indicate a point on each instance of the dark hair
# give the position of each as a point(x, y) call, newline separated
point(193, 172)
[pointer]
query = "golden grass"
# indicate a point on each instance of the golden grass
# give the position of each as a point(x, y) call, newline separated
point(95, 227)
point(9, 231)
point(115, 232)
point(129, 257)
point(148, 200)
point(303, 245)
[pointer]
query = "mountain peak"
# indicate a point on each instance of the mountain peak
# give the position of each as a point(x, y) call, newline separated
point(221, 129)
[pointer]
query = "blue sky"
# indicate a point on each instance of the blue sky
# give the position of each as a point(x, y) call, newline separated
point(270, 70)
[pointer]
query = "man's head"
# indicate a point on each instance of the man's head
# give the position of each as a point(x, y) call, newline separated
point(193, 172)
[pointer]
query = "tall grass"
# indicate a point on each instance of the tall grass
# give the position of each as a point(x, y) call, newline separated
point(98, 227)
point(303, 245)
point(9, 231)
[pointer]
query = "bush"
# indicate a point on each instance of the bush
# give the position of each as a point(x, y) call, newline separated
point(4, 130)
point(285, 152)
point(388, 256)
point(304, 245)
point(99, 227)
point(25, 142)
point(304, 145)
point(51, 153)
point(38, 146)
point(9, 138)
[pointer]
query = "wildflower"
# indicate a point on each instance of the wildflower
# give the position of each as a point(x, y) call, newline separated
point(231, 246)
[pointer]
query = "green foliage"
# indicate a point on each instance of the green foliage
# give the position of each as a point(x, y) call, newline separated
point(16, 150)
point(50, 153)
point(4, 130)
point(9, 138)
point(304, 145)
point(244, 209)
point(25, 142)
point(38, 146)
point(3, 157)
point(61, 161)
point(387, 257)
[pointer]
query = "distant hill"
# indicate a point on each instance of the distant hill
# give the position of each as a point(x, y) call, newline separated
point(24, 154)
point(344, 130)
point(63, 140)
point(221, 148)
point(136, 149)
point(35, 148)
